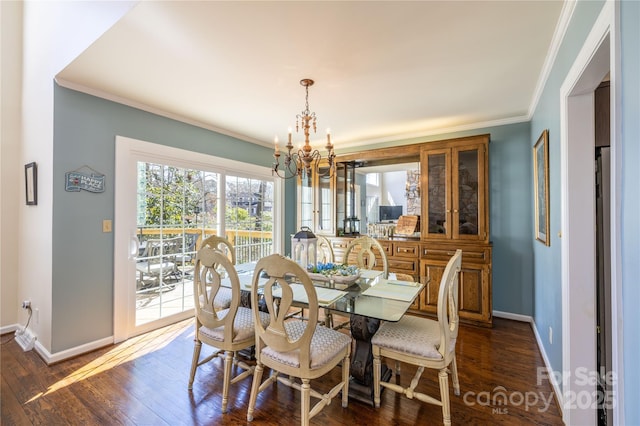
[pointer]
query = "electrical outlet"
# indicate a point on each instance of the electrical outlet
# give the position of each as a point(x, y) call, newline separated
point(106, 225)
point(26, 304)
point(551, 335)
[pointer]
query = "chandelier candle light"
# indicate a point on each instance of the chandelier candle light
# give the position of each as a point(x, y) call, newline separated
point(300, 163)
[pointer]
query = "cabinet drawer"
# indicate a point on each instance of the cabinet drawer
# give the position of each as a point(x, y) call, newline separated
point(404, 266)
point(387, 247)
point(405, 250)
point(475, 254)
point(339, 244)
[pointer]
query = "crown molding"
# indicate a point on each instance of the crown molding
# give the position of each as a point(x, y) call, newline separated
point(139, 105)
point(558, 36)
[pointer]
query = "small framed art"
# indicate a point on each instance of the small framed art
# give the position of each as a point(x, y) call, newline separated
point(541, 187)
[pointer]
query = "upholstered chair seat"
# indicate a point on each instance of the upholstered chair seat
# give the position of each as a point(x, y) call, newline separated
point(425, 343)
point(242, 325)
point(228, 329)
point(413, 335)
point(297, 350)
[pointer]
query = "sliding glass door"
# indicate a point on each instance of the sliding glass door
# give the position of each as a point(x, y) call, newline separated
point(166, 205)
point(176, 208)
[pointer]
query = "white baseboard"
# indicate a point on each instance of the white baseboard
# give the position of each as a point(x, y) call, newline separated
point(515, 317)
point(550, 373)
point(8, 328)
point(50, 358)
point(554, 382)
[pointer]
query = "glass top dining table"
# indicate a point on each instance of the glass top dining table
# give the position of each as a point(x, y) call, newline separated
point(366, 301)
point(369, 295)
point(372, 297)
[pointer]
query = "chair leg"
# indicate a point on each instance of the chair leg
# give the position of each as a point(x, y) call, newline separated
point(194, 362)
point(377, 367)
point(257, 379)
point(454, 377)
point(444, 395)
point(346, 364)
point(305, 403)
point(228, 362)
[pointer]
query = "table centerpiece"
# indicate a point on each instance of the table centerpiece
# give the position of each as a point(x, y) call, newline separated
point(333, 272)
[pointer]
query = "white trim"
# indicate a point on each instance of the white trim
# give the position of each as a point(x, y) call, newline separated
point(599, 54)
point(168, 154)
point(553, 378)
point(558, 35)
point(617, 342)
point(440, 131)
point(8, 328)
point(50, 358)
point(143, 107)
point(550, 374)
point(354, 144)
point(128, 152)
point(512, 316)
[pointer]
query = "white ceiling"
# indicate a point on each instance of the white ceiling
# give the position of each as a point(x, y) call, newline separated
point(383, 70)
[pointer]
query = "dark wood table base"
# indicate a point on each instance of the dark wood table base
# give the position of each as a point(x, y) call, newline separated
point(361, 384)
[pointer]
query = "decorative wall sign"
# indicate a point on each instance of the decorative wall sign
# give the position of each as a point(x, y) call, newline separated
point(31, 183)
point(84, 178)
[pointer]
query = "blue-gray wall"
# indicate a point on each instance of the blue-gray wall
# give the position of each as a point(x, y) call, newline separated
point(85, 128)
point(630, 191)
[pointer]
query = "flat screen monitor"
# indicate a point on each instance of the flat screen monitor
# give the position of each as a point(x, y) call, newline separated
point(390, 213)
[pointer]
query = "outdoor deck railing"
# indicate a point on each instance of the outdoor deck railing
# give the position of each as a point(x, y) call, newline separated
point(250, 245)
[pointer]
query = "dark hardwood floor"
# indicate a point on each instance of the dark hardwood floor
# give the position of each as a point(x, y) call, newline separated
point(143, 381)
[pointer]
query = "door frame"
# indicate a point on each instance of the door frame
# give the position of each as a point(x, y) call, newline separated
point(600, 54)
point(128, 152)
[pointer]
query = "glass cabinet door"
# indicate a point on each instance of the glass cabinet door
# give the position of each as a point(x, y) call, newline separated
point(316, 200)
point(436, 181)
point(325, 201)
point(347, 221)
point(454, 200)
point(305, 202)
point(466, 198)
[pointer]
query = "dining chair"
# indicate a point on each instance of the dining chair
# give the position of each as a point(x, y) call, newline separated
point(296, 349)
point(228, 330)
point(365, 249)
point(425, 343)
point(222, 244)
point(324, 250)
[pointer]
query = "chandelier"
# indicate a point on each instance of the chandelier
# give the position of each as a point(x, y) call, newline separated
point(300, 162)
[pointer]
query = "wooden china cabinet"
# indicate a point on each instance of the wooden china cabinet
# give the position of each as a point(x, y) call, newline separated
point(454, 204)
point(455, 212)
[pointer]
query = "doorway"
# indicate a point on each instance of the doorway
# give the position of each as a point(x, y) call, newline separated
point(579, 243)
point(167, 201)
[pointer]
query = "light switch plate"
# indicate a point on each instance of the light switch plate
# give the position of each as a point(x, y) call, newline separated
point(106, 225)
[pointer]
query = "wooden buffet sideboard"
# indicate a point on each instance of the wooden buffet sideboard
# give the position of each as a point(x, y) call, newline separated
point(454, 203)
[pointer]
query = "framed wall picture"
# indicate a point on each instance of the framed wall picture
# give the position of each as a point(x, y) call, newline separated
point(31, 183)
point(541, 187)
